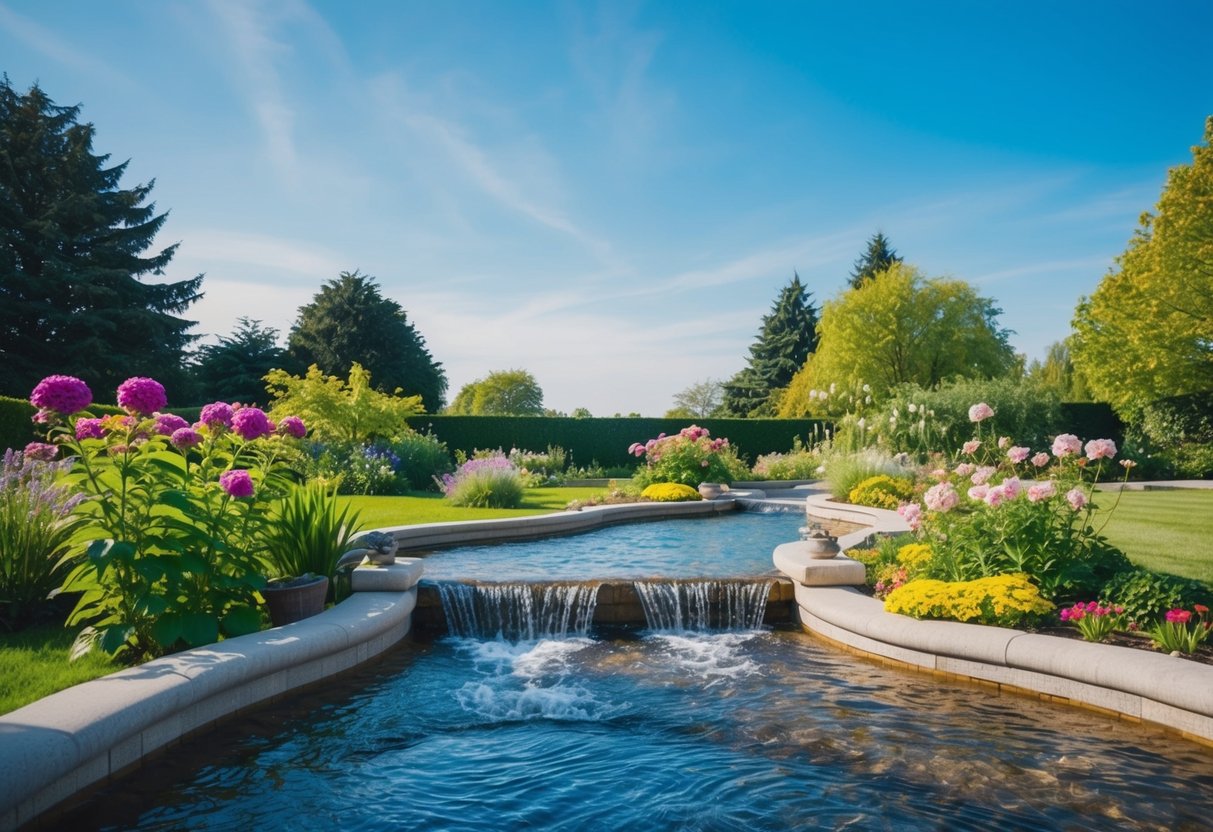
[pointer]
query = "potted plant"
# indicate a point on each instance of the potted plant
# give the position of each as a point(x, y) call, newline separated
point(304, 538)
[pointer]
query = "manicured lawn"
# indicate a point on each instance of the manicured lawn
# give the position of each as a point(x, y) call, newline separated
point(1167, 531)
point(425, 507)
point(33, 664)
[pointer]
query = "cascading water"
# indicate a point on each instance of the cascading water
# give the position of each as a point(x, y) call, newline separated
point(679, 606)
point(523, 612)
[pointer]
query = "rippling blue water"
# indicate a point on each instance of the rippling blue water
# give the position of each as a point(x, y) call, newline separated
point(738, 543)
point(753, 731)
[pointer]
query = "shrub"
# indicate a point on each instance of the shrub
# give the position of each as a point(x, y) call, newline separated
point(845, 471)
point(307, 532)
point(350, 410)
point(36, 532)
point(670, 492)
point(486, 482)
point(407, 462)
point(1146, 595)
point(689, 457)
point(882, 491)
point(540, 468)
point(798, 464)
point(1002, 600)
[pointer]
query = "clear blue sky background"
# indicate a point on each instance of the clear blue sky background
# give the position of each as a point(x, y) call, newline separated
point(612, 195)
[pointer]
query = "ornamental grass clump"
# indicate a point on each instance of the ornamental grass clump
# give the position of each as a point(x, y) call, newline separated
point(174, 515)
point(1001, 600)
point(484, 482)
point(690, 457)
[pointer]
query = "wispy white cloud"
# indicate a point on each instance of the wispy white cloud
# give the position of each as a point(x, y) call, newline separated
point(56, 48)
point(1076, 264)
point(259, 251)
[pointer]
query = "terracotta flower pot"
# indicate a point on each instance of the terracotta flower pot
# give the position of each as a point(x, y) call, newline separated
point(295, 599)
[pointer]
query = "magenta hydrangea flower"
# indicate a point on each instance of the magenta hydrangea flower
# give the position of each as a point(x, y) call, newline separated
point(251, 423)
point(238, 483)
point(41, 451)
point(185, 437)
point(141, 396)
point(216, 415)
point(62, 394)
point(90, 429)
point(292, 426)
point(169, 423)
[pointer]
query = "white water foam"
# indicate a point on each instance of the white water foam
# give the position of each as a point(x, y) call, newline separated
point(710, 656)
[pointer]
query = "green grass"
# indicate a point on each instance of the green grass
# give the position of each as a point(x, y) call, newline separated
point(426, 507)
point(33, 664)
point(1167, 531)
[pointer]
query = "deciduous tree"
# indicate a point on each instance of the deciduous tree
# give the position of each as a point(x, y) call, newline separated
point(699, 401)
point(500, 393)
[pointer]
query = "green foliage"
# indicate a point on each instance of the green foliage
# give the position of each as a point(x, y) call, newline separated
point(485, 482)
point(349, 411)
point(1146, 333)
point(1057, 376)
point(500, 393)
point(787, 338)
point(234, 368)
point(882, 491)
point(16, 425)
point(349, 322)
point(71, 258)
point(898, 328)
point(844, 471)
point(408, 462)
point(37, 528)
point(689, 457)
point(1147, 595)
point(878, 257)
point(1181, 631)
point(670, 492)
point(308, 531)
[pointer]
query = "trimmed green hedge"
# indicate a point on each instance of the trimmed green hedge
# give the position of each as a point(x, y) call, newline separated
point(1092, 420)
point(606, 441)
point(16, 429)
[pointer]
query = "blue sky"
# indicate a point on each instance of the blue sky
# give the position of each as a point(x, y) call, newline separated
point(612, 195)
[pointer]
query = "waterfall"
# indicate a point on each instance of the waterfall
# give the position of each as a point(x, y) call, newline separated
point(703, 605)
point(522, 612)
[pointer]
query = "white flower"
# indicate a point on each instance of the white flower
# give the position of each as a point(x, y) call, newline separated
point(862, 422)
point(913, 408)
point(867, 388)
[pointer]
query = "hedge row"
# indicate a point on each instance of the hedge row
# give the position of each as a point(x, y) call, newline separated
point(606, 441)
point(17, 428)
point(1092, 420)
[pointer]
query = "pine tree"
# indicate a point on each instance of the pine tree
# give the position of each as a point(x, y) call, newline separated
point(234, 368)
point(878, 257)
point(788, 336)
point(71, 245)
point(349, 321)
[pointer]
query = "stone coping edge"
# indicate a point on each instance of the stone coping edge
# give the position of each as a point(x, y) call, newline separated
point(1153, 687)
point(65, 743)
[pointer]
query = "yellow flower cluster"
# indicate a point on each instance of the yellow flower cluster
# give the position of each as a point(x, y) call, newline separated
point(670, 492)
point(1002, 599)
point(914, 555)
point(882, 491)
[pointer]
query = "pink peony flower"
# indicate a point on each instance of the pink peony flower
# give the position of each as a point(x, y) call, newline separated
point(216, 415)
point(1018, 454)
point(251, 423)
point(169, 423)
point(1041, 491)
point(62, 394)
point(41, 451)
point(1040, 460)
point(912, 514)
point(980, 412)
point(971, 447)
point(185, 437)
point(964, 469)
point(982, 475)
point(238, 483)
point(1076, 498)
point(995, 497)
point(978, 492)
point(293, 426)
point(1066, 444)
point(1011, 488)
point(942, 498)
point(90, 429)
point(636, 449)
point(1003, 442)
point(1178, 616)
point(1101, 449)
point(141, 396)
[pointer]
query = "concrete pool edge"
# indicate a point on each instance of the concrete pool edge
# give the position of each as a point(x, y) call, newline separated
point(1138, 685)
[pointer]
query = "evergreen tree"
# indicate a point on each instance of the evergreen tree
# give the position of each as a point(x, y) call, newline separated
point(71, 246)
point(788, 336)
point(878, 258)
point(234, 368)
point(348, 322)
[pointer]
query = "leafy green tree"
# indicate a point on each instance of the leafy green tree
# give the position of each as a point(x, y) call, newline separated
point(1147, 332)
point(1057, 375)
point(232, 369)
point(349, 321)
point(699, 401)
point(500, 393)
point(895, 329)
point(72, 255)
point(342, 410)
point(878, 257)
point(788, 336)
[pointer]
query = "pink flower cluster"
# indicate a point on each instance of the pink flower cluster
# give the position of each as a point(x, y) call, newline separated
point(980, 412)
point(693, 433)
point(912, 514)
point(1100, 449)
point(1091, 609)
point(1066, 444)
point(942, 497)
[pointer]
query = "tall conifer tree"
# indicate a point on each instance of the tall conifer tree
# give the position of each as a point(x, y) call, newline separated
point(71, 258)
point(878, 257)
point(788, 336)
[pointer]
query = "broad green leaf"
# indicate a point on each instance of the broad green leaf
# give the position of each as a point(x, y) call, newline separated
point(241, 620)
point(115, 636)
point(198, 628)
point(167, 629)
